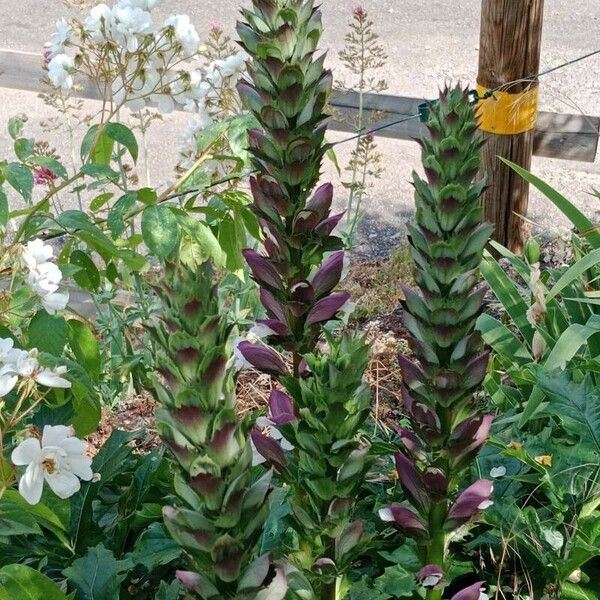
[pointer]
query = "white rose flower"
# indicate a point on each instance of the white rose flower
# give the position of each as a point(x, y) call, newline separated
point(59, 459)
point(60, 71)
point(44, 278)
point(35, 253)
point(130, 23)
point(99, 23)
point(235, 64)
point(185, 33)
point(59, 38)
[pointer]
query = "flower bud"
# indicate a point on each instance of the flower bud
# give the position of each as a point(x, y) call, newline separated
point(532, 251)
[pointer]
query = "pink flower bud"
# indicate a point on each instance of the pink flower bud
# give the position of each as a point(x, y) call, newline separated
point(269, 449)
point(262, 358)
point(468, 504)
point(431, 577)
point(328, 275)
point(326, 308)
point(473, 592)
point(405, 520)
point(281, 408)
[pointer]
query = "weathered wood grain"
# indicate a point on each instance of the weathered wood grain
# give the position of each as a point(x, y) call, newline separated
point(509, 50)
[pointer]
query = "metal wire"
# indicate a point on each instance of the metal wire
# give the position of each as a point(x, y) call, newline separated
point(476, 98)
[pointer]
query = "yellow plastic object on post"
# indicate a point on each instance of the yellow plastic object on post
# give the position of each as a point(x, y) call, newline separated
point(505, 113)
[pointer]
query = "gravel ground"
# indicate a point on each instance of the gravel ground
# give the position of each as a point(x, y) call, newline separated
point(428, 44)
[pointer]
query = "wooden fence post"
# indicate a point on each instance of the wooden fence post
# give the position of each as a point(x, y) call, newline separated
point(509, 50)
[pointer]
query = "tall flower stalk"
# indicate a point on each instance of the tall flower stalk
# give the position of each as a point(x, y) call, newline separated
point(363, 56)
point(325, 400)
point(447, 427)
point(221, 509)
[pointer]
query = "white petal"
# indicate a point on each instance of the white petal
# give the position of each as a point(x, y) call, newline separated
point(51, 379)
point(264, 422)
point(496, 472)
point(285, 445)
point(257, 457)
point(32, 483)
point(26, 452)
point(385, 514)
point(7, 383)
point(6, 345)
point(80, 466)
point(73, 445)
point(485, 504)
point(63, 483)
point(55, 301)
point(55, 435)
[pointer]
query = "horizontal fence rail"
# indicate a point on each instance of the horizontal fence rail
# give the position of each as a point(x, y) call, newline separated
point(565, 136)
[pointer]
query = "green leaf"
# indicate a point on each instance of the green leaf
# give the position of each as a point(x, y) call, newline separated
point(48, 333)
point(508, 294)
point(21, 582)
point(168, 591)
point(570, 341)
point(42, 514)
point(20, 178)
point(124, 136)
point(50, 163)
point(97, 575)
point(102, 150)
point(87, 411)
point(23, 148)
point(99, 201)
point(574, 272)
point(88, 276)
point(99, 171)
point(210, 135)
point(154, 548)
point(4, 210)
point(15, 127)
point(122, 206)
point(576, 404)
point(573, 591)
point(584, 226)
point(84, 344)
point(160, 230)
point(502, 339)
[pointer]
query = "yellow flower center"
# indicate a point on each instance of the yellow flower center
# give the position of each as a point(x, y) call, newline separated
point(49, 465)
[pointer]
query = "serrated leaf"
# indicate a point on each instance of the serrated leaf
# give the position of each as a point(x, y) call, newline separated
point(97, 575)
point(160, 230)
point(123, 135)
point(168, 591)
point(154, 548)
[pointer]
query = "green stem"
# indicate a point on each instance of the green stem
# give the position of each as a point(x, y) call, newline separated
point(437, 546)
